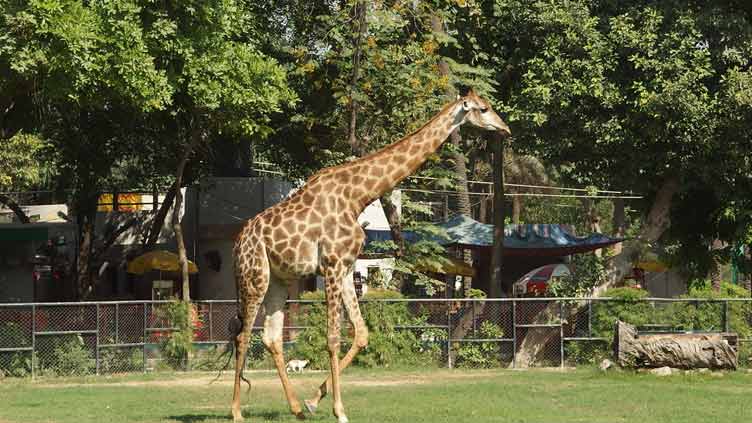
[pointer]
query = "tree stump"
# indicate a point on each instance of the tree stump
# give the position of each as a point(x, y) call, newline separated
point(677, 350)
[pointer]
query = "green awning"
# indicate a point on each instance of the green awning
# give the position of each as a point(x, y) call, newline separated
point(33, 233)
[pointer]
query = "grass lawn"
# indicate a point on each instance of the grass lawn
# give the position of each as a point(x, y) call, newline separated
point(391, 396)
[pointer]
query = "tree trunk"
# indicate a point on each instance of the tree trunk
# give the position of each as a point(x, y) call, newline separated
point(86, 233)
point(677, 350)
point(14, 207)
point(395, 229)
point(619, 223)
point(158, 221)
point(483, 209)
point(359, 30)
point(715, 266)
point(516, 209)
point(497, 254)
point(657, 222)
point(196, 137)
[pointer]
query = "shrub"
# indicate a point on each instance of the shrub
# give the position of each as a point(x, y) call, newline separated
point(481, 354)
point(583, 352)
point(176, 347)
point(626, 305)
point(117, 360)
point(387, 346)
point(709, 315)
point(72, 358)
point(15, 364)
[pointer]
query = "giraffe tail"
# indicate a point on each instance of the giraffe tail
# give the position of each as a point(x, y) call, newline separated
point(235, 327)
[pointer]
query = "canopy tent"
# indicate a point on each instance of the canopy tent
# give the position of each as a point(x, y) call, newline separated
point(530, 240)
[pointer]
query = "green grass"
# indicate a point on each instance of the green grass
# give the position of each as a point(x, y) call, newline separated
point(391, 396)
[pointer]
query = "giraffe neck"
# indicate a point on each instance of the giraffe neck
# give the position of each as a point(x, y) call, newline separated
point(386, 168)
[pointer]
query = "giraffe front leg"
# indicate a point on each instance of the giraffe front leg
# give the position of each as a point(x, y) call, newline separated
point(333, 305)
point(360, 341)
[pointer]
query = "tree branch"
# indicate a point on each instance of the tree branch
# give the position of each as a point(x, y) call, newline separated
point(11, 204)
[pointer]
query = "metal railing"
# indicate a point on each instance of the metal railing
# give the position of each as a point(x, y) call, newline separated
point(131, 336)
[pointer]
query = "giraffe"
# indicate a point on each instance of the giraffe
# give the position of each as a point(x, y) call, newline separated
point(316, 232)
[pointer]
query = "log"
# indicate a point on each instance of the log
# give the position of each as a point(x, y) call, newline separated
point(677, 350)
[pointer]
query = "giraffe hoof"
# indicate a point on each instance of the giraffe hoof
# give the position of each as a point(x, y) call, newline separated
point(310, 406)
point(237, 417)
point(300, 415)
point(342, 419)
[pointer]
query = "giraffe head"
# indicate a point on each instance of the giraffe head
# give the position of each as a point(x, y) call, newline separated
point(479, 113)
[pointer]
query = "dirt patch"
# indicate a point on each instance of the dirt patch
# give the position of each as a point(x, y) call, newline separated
point(269, 379)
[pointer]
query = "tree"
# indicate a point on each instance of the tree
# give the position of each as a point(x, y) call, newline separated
point(86, 69)
point(219, 82)
point(19, 168)
point(620, 96)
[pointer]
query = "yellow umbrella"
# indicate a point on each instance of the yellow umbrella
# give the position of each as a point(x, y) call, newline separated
point(158, 260)
point(652, 265)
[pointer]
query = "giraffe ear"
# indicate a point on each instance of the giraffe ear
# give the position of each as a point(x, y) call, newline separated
point(465, 106)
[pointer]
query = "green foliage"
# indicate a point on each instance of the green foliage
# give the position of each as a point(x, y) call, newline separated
point(19, 166)
point(14, 364)
point(706, 314)
point(423, 255)
point(70, 358)
point(176, 347)
point(626, 305)
point(121, 360)
point(387, 345)
point(587, 353)
point(588, 271)
point(475, 293)
point(483, 353)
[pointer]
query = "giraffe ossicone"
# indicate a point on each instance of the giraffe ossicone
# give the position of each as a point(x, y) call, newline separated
point(316, 231)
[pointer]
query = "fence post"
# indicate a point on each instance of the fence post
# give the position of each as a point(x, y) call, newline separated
point(589, 318)
point(96, 357)
point(514, 333)
point(211, 322)
point(33, 338)
point(144, 343)
point(561, 333)
point(117, 323)
point(449, 334)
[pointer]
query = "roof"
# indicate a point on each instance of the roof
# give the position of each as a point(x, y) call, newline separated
point(519, 240)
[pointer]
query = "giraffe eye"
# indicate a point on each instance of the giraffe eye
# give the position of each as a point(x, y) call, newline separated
point(484, 109)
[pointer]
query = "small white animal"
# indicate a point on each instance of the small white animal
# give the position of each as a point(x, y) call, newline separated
point(296, 365)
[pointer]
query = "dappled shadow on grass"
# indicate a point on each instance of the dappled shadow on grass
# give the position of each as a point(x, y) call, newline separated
point(253, 415)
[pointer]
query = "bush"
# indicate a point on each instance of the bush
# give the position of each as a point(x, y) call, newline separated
point(626, 305)
point(71, 358)
point(481, 354)
point(118, 360)
point(176, 347)
point(583, 352)
point(709, 315)
point(14, 364)
point(387, 345)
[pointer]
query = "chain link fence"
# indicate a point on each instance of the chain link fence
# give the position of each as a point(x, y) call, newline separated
point(66, 339)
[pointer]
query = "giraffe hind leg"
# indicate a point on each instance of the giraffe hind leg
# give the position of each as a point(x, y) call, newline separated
point(274, 307)
point(252, 275)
